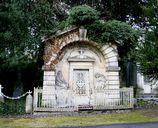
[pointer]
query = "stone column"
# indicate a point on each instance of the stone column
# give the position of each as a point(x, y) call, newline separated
point(29, 103)
point(113, 77)
point(111, 58)
point(48, 96)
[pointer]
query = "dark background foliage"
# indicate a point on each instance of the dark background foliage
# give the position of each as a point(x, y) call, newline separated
point(23, 23)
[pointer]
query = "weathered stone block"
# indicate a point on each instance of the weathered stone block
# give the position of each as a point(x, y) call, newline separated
point(111, 54)
point(113, 59)
point(113, 78)
point(104, 48)
point(49, 73)
point(48, 83)
point(108, 50)
point(113, 73)
point(49, 89)
point(113, 68)
point(113, 82)
point(116, 86)
point(49, 78)
point(113, 63)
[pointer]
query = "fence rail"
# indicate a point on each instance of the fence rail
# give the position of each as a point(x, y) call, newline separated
point(114, 98)
point(100, 100)
point(51, 104)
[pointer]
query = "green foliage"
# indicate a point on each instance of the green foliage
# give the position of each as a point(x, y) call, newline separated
point(22, 25)
point(81, 15)
point(151, 11)
point(13, 30)
point(112, 31)
point(13, 107)
point(146, 104)
point(95, 31)
point(112, 9)
point(100, 31)
point(120, 32)
point(146, 55)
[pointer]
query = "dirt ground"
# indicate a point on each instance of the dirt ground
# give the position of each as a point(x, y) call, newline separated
point(150, 113)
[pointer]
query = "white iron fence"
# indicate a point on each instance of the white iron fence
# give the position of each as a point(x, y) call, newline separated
point(57, 102)
point(113, 99)
point(100, 100)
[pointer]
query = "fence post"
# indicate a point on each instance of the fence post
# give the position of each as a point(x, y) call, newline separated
point(131, 97)
point(35, 99)
point(1, 97)
point(29, 103)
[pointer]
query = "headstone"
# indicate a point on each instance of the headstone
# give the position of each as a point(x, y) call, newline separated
point(18, 90)
point(131, 77)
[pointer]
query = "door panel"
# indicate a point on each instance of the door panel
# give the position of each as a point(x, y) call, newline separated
point(81, 85)
point(81, 81)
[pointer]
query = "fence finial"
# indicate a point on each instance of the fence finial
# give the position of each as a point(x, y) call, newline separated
point(29, 92)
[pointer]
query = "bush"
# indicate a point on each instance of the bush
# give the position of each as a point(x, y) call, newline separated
point(12, 106)
point(120, 32)
point(95, 31)
point(145, 104)
point(82, 15)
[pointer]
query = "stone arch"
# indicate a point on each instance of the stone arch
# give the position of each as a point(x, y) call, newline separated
point(54, 46)
point(110, 54)
point(108, 51)
point(91, 46)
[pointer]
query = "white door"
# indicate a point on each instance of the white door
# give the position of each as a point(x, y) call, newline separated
point(81, 86)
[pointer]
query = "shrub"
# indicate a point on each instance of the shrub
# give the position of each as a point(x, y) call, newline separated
point(120, 32)
point(12, 106)
point(82, 15)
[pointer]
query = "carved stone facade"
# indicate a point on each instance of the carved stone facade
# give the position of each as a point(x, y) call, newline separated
point(78, 66)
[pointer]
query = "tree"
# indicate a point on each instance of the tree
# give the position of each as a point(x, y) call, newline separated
point(12, 32)
point(22, 25)
point(112, 9)
point(146, 55)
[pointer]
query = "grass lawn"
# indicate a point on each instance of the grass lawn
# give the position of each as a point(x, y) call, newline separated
point(43, 122)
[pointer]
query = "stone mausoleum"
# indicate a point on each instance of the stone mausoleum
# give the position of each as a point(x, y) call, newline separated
point(79, 72)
